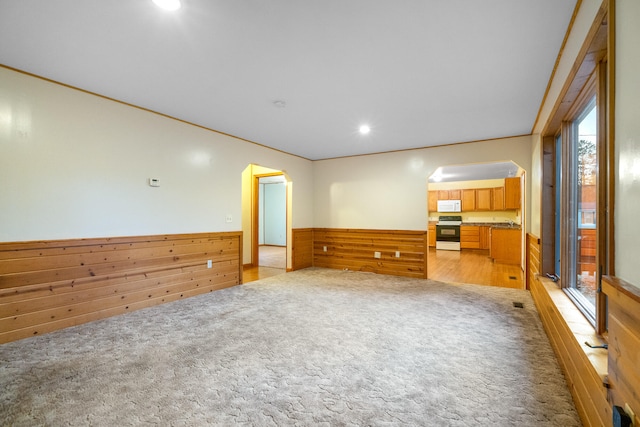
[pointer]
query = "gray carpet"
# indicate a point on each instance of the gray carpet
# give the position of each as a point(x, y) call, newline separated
point(313, 347)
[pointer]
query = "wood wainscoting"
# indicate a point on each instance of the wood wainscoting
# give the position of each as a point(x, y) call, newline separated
point(302, 249)
point(50, 285)
point(584, 368)
point(532, 259)
point(624, 343)
point(355, 249)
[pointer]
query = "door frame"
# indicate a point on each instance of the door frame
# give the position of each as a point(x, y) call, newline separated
point(255, 216)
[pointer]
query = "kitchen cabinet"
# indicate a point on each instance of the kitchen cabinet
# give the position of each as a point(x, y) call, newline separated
point(485, 237)
point(433, 201)
point(469, 237)
point(443, 194)
point(481, 199)
point(512, 193)
point(484, 198)
point(454, 194)
point(498, 199)
point(468, 198)
point(448, 194)
point(431, 234)
point(506, 247)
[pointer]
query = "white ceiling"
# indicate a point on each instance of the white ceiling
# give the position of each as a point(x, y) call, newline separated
point(419, 72)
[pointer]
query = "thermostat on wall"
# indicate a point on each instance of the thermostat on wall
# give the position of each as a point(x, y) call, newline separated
point(154, 182)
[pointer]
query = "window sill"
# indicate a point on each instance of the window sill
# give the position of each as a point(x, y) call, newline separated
point(580, 327)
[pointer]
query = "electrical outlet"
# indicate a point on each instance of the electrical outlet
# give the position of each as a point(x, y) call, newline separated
point(209, 263)
point(376, 254)
point(229, 218)
point(397, 254)
point(324, 249)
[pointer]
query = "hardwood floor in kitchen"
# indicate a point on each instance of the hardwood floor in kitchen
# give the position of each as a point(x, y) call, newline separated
point(472, 266)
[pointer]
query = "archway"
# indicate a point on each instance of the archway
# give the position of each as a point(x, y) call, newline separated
point(488, 197)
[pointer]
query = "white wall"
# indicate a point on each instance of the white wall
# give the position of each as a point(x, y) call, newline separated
point(581, 25)
point(389, 191)
point(274, 214)
point(627, 141)
point(76, 165)
point(627, 129)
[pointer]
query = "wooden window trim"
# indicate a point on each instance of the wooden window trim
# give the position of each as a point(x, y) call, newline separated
point(593, 68)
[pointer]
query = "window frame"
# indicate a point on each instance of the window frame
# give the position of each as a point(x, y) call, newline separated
point(593, 73)
point(569, 204)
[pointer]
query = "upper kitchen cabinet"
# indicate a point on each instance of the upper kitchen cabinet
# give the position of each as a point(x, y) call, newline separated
point(484, 198)
point(498, 199)
point(512, 193)
point(433, 201)
point(448, 194)
point(455, 194)
point(468, 198)
point(481, 187)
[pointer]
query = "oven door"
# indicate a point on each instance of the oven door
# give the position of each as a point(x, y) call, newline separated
point(447, 233)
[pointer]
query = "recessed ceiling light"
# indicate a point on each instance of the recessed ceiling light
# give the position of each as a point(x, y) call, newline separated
point(365, 129)
point(168, 4)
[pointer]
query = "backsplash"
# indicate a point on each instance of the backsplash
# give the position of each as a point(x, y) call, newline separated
point(482, 217)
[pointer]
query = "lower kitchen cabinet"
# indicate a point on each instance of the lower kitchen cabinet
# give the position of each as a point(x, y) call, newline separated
point(506, 245)
point(485, 237)
point(431, 234)
point(469, 237)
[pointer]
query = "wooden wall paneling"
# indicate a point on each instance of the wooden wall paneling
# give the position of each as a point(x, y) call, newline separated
point(50, 285)
point(353, 249)
point(533, 262)
point(302, 248)
point(584, 368)
point(624, 342)
point(584, 381)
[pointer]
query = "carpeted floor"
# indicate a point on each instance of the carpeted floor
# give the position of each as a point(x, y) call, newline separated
point(272, 256)
point(312, 347)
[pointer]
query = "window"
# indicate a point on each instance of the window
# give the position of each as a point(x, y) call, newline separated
point(577, 201)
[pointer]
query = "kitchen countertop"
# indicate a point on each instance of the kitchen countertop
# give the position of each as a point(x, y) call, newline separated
point(487, 224)
point(494, 225)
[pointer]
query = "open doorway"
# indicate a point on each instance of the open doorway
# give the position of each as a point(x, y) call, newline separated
point(266, 200)
point(272, 221)
point(481, 207)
